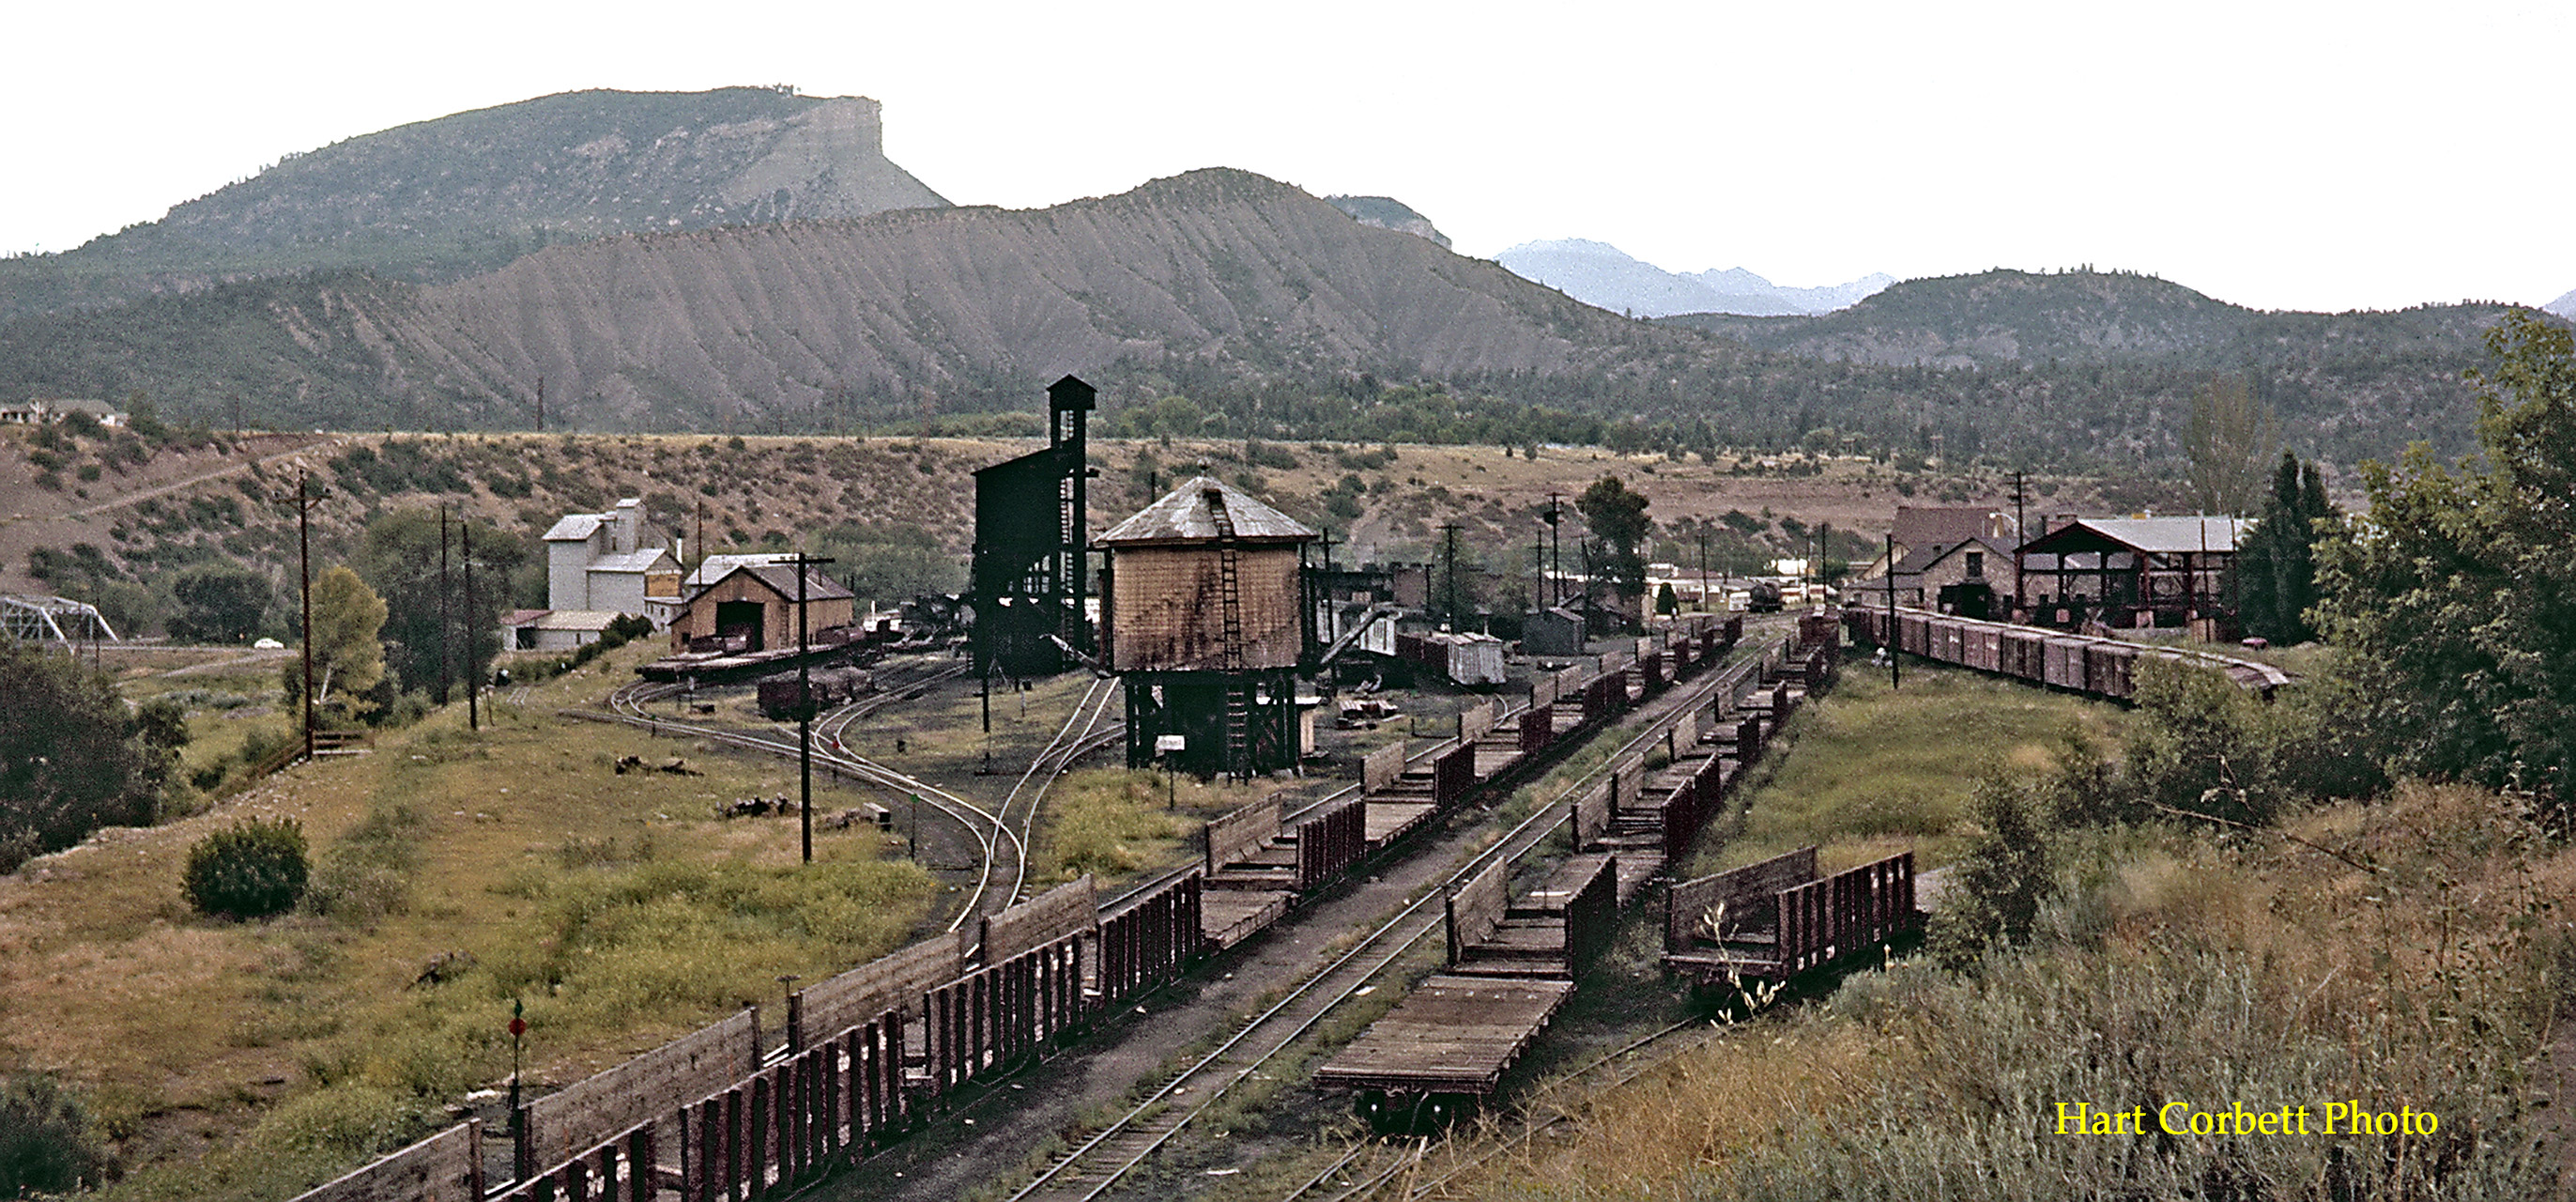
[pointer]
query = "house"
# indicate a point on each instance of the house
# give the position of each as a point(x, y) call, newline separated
point(42, 410)
point(1918, 526)
point(1972, 577)
point(2151, 571)
point(754, 608)
point(614, 562)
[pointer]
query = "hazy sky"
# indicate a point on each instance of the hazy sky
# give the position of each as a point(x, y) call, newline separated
point(2322, 156)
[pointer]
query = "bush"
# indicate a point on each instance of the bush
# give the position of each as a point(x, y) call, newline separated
point(45, 1141)
point(252, 870)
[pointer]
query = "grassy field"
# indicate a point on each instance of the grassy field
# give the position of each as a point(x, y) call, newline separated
point(616, 906)
point(2171, 967)
point(2189, 966)
point(1871, 771)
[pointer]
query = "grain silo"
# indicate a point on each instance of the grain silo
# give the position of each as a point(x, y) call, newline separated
point(1203, 617)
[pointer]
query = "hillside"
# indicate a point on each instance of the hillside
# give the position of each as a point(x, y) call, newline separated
point(442, 199)
point(815, 323)
point(1388, 213)
point(1221, 303)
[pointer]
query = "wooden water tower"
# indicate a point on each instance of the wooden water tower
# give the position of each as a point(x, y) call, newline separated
point(1201, 615)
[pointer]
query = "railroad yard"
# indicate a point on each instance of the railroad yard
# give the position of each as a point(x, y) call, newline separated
point(1197, 868)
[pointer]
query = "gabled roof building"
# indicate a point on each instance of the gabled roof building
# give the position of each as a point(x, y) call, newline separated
point(614, 562)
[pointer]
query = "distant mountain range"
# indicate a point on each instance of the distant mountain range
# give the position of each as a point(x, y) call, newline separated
point(444, 199)
point(1600, 274)
point(2564, 306)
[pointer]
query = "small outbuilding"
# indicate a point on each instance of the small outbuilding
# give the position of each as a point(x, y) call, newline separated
point(753, 608)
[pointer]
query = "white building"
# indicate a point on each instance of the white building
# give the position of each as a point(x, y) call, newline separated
point(614, 562)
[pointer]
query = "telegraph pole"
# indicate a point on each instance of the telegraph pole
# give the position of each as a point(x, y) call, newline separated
point(804, 708)
point(1449, 564)
point(303, 501)
point(445, 621)
point(1703, 569)
point(1895, 674)
point(1556, 550)
point(473, 675)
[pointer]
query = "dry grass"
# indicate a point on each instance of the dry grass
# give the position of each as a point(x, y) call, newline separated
point(1869, 771)
point(1117, 822)
point(617, 906)
point(2174, 969)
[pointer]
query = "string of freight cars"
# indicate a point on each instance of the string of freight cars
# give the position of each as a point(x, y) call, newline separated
point(870, 1053)
point(1095, 1166)
point(2077, 663)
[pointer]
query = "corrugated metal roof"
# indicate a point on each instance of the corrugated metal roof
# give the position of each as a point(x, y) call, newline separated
point(633, 561)
point(576, 619)
point(2165, 536)
point(781, 579)
point(714, 567)
point(1183, 515)
point(575, 527)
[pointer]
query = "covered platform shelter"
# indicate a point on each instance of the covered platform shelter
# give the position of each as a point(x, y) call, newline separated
point(2134, 572)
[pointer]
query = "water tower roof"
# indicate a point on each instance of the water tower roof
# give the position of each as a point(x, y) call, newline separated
point(1188, 515)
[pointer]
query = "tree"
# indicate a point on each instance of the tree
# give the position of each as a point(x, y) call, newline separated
point(398, 558)
point(218, 602)
point(2453, 595)
point(2277, 570)
point(2006, 873)
point(348, 658)
point(1618, 518)
point(2231, 436)
point(72, 758)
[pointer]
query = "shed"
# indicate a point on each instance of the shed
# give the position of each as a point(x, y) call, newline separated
point(755, 605)
point(1555, 630)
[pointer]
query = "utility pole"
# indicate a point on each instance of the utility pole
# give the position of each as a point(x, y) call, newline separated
point(303, 501)
point(1895, 674)
point(1703, 569)
point(1556, 553)
point(1449, 564)
point(445, 621)
point(473, 674)
point(804, 708)
point(541, 404)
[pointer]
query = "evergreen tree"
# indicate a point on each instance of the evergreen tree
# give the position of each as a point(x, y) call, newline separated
point(2277, 571)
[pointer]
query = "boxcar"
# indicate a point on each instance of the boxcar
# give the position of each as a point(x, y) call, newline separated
point(2107, 667)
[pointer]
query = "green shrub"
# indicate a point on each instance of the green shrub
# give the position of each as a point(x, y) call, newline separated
point(45, 1141)
point(252, 870)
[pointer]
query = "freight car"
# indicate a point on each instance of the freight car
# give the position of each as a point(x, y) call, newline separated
point(2086, 664)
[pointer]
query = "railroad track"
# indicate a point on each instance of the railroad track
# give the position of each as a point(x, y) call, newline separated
point(1607, 1071)
point(1001, 833)
point(1095, 1166)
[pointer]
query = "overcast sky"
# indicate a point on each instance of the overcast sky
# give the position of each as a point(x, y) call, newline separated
point(2313, 156)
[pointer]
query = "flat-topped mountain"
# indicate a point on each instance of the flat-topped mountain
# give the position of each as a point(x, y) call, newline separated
point(441, 199)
